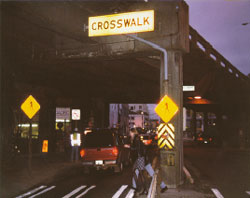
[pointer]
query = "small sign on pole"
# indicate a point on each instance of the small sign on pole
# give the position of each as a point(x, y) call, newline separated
point(62, 113)
point(76, 114)
point(188, 88)
point(45, 146)
point(30, 107)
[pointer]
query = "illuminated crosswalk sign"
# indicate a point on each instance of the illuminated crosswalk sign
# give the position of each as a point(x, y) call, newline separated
point(166, 109)
point(122, 23)
point(30, 106)
point(166, 136)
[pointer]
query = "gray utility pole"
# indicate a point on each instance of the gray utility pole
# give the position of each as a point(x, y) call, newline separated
point(171, 82)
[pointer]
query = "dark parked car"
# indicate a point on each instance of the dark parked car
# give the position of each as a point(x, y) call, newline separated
point(103, 149)
point(205, 138)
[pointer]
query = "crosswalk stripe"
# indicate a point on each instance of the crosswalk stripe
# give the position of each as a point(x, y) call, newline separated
point(248, 192)
point(74, 191)
point(119, 192)
point(217, 193)
point(87, 190)
point(44, 191)
point(31, 192)
point(130, 193)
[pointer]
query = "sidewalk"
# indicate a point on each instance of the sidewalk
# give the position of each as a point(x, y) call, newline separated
point(197, 189)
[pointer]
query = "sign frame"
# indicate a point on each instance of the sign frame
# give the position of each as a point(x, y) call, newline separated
point(121, 23)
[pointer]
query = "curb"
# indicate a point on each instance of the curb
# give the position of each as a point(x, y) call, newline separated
point(188, 175)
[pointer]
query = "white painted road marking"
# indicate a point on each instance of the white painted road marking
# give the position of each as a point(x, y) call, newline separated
point(130, 193)
point(74, 191)
point(217, 193)
point(119, 192)
point(88, 189)
point(31, 192)
point(248, 192)
point(44, 191)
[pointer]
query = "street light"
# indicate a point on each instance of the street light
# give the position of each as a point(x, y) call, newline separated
point(142, 119)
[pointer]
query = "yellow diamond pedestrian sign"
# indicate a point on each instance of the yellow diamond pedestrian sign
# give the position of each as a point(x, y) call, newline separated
point(166, 109)
point(30, 106)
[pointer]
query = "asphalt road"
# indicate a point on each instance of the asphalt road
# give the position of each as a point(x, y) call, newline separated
point(226, 170)
point(96, 184)
point(74, 183)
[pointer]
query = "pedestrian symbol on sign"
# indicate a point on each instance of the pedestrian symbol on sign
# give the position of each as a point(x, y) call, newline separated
point(166, 109)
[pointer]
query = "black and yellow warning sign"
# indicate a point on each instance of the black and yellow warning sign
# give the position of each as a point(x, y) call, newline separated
point(166, 136)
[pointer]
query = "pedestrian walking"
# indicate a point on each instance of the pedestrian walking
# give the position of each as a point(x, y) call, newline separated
point(138, 151)
point(141, 163)
point(75, 139)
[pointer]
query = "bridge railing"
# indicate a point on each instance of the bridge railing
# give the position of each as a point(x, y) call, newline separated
point(198, 41)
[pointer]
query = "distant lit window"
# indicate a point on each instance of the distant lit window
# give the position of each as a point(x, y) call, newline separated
point(23, 127)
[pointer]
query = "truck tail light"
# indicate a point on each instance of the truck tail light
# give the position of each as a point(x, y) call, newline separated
point(82, 153)
point(147, 142)
point(115, 151)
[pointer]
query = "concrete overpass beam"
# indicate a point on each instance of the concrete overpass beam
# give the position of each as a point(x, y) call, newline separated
point(101, 112)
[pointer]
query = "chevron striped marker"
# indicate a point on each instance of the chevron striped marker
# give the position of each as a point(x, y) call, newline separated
point(166, 136)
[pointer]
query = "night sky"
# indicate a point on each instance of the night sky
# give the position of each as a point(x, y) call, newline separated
point(220, 23)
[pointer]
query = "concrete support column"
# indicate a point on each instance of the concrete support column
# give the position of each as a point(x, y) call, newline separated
point(101, 112)
point(219, 127)
point(205, 121)
point(194, 123)
point(172, 160)
point(47, 122)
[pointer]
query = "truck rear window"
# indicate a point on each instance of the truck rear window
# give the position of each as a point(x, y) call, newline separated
point(98, 139)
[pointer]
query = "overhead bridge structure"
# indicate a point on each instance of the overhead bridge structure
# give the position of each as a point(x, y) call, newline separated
point(46, 52)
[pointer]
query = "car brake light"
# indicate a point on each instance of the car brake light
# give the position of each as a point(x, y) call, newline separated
point(115, 151)
point(147, 142)
point(82, 153)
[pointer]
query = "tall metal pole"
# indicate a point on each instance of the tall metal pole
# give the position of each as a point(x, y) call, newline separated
point(30, 147)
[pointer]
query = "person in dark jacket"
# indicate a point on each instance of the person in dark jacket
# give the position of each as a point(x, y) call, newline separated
point(141, 162)
point(138, 151)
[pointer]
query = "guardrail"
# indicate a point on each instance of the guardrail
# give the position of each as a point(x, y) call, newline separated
point(152, 188)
